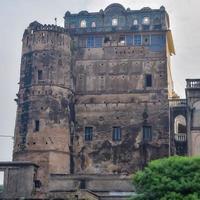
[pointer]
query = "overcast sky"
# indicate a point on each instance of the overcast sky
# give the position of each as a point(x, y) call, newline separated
point(17, 14)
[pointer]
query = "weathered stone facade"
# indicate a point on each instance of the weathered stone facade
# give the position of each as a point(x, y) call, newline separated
point(111, 89)
point(94, 77)
point(42, 132)
point(93, 102)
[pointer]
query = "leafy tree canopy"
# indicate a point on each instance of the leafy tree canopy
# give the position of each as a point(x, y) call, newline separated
point(173, 178)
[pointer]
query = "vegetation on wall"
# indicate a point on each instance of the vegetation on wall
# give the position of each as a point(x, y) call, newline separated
point(174, 178)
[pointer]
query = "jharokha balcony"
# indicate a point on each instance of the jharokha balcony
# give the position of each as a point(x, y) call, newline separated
point(193, 83)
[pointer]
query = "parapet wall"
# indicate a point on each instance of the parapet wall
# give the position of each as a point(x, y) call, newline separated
point(41, 37)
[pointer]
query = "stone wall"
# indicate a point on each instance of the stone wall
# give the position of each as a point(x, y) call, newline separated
point(42, 133)
point(111, 92)
point(95, 186)
point(19, 180)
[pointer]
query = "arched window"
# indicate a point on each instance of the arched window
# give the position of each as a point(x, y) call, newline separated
point(135, 22)
point(146, 21)
point(93, 24)
point(114, 22)
point(83, 24)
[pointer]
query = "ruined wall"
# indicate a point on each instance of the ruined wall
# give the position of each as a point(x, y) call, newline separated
point(42, 132)
point(19, 180)
point(111, 92)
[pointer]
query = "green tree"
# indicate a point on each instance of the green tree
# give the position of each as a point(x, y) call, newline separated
point(174, 178)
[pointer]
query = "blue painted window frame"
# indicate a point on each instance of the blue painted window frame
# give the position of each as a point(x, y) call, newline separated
point(88, 133)
point(147, 133)
point(117, 133)
point(129, 40)
point(137, 40)
point(90, 42)
point(148, 80)
point(98, 41)
point(94, 41)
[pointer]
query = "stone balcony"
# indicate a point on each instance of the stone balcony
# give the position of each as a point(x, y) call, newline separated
point(180, 137)
point(178, 103)
point(193, 83)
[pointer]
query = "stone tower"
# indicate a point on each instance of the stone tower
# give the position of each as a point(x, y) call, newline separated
point(42, 133)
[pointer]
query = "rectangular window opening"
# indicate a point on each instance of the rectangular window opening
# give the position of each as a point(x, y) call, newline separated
point(1, 181)
point(147, 133)
point(88, 133)
point(107, 39)
point(40, 73)
point(117, 133)
point(148, 80)
point(37, 183)
point(82, 184)
point(37, 125)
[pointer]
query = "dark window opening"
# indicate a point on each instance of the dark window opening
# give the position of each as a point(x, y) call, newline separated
point(1, 181)
point(88, 133)
point(106, 39)
point(181, 149)
point(181, 128)
point(38, 183)
point(147, 133)
point(82, 184)
point(117, 133)
point(146, 40)
point(37, 125)
point(40, 75)
point(122, 40)
point(59, 62)
point(148, 80)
